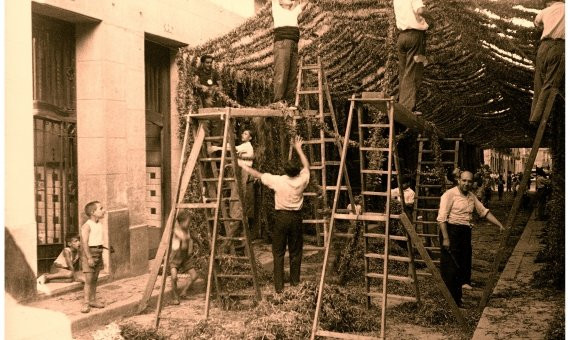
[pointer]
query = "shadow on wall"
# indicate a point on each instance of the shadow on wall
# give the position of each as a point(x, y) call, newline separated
point(19, 278)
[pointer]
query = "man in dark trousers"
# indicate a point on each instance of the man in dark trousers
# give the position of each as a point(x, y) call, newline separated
point(288, 228)
point(549, 69)
point(411, 47)
point(454, 219)
point(285, 49)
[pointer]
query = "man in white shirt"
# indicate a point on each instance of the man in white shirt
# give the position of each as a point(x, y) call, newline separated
point(454, 219)
point(285, 49)
point(411, 48)
point(288, 228)
point(549, 70)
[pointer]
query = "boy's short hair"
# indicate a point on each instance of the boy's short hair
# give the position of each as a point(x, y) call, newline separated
point(71, 236)
point(182, 216)
point(90, 208)
point(251, 134)
point(292, 168)
point(206, 56)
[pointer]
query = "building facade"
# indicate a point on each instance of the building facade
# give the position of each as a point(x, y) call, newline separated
point(514, 160)
point(91, 115)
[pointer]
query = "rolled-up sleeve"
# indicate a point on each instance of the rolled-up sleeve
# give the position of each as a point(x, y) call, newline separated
point(444, 207)
point(481, 210)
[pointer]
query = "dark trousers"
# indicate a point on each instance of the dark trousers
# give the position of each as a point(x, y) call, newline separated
point(548, 74)
point(285, 54)
point(410, 43)
point(455, 263)
point(287, 233)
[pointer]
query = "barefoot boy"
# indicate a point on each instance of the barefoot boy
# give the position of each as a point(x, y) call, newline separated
point(67, 265)
point(182, 259)
point(92, 253)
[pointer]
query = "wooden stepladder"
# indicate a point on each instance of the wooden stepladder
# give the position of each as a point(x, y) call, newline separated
point(376, 187)
point(429, 190)
point(320, 129)
point(218, 177)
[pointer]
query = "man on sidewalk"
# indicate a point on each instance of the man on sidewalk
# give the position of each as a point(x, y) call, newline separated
point(454, 219)
point(288, 229)
point(411, 47)
point(549, 69)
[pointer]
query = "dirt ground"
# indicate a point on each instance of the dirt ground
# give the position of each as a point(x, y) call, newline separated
point(177, 320)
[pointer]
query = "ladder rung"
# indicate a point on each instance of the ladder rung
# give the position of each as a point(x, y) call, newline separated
point(433, 162)
point(232, 257)
point(319, 141)
point(332, 187)
point(374, 193)
point(310, 90)
point(196, 205)
point(310, 67)
point(372, 148)
point(332, 163)
point(432, 248)
point(227, 179)
point(382, 236)
point(422, 261)
point(315, 221)
point(442, 151)
point(426, 222)
point(235, 276)
point(428, 235)
point(364, 217)
point(213, 138)
point(391, 277)
point(225, 199)
point(348, 336)
point(310, 194)
point(315, 167)
point(453, 139)
point(226, 219)
point(393, 296)
point(231, 238)
point(378, 172)
point(390, 257)
point(427, 209)
point(212, 159)
point(374, 125)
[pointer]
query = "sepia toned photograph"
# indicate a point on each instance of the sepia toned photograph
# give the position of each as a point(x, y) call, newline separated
point(284, 169)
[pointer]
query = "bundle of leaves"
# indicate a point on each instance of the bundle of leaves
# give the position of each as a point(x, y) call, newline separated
point(290, 314)
point(552, 254)
point(430, 312)
point(211, 329)
point(134, 331)
point(556, 329)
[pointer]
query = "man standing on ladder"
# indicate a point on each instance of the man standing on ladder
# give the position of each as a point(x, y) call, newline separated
point(454, 219)
point(288, 228)
point(285, 49)
point(549, 69)
point(411, 47)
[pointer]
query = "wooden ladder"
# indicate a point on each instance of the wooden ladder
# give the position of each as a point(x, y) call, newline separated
point(499, 258)
point(324, 146)
point(429, 190)
point(215, 174)
point(376, 221)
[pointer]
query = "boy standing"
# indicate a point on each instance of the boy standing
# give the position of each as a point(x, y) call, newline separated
point(181, 259)
point(67, 265)
point(92, 253)
point(288, 228)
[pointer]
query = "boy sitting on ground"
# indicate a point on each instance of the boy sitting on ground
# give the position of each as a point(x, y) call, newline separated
point(182, 259)
point(66, 266)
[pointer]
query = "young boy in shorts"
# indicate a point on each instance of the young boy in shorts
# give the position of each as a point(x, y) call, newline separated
point(92, 253)
point(67, 265)
point(182, 259)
